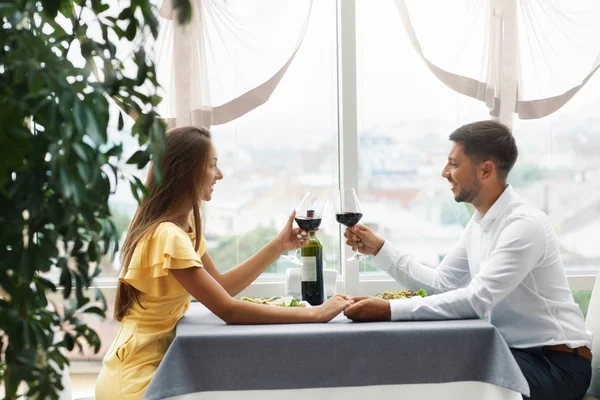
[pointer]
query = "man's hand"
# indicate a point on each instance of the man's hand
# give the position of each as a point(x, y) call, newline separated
point(363, 239)
point(366, 309)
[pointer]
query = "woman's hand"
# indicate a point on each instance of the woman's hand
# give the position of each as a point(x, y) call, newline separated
point(332, 307)
point(291, 238)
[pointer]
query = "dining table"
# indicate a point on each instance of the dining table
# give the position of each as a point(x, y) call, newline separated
point(449, 359)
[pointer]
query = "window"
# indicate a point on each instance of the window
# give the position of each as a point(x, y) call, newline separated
point(402, 146)
point(559, 171)
point(289, 145)
point(272, 155)
point(269, 158)
point(582, 298)
point(403, 139)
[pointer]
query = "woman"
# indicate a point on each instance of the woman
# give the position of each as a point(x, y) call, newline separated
point(165, 261)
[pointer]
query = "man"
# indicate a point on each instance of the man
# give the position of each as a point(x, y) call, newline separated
point(506, 267)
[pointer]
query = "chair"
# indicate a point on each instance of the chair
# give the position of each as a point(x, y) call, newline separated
point(592, 324)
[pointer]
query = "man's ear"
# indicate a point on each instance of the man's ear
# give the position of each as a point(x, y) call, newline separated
point(487, 169)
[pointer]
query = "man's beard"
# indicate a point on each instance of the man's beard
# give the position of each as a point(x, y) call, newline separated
point(468, 195)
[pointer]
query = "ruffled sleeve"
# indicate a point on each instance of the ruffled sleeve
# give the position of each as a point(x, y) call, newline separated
point(169, 247)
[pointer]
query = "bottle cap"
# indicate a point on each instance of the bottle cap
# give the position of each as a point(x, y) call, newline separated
point(310, 213)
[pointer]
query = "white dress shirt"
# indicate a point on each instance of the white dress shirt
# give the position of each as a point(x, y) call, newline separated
point(507, 268)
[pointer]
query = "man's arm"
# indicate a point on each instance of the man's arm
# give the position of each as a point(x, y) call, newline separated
point(453, 271)
point(519, 247)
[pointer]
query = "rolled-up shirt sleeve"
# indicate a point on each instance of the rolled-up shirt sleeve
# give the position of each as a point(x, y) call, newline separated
point(519, 246)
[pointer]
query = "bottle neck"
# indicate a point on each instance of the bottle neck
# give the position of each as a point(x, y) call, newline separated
point(312, 234)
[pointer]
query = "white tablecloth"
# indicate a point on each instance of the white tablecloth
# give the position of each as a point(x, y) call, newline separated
point(341, 359)
point(445, 391)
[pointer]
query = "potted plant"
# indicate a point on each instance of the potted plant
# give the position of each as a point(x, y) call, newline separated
point(58, 169)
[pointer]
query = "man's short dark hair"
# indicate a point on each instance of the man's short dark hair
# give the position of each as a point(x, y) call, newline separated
point(488, 140)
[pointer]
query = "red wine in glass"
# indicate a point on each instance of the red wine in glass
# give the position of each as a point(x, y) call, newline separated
point(307, 223)
point(348, 213)
point(308, 218)
point(348, 218)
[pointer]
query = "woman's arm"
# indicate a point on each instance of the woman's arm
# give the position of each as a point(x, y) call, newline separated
point(237, 279)
point(202, 286)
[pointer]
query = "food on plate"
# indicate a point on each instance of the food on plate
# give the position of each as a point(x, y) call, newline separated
point(279, 301)
point(401, 294)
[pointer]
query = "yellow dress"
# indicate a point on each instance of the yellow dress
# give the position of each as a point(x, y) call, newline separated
point(148, 328)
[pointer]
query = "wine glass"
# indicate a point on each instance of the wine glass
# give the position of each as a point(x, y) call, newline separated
point(308, 217)
point(348, 212)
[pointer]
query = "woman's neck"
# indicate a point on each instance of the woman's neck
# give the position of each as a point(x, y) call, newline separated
point(183, 221)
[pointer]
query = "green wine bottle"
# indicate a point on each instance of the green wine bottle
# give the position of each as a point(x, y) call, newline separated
point(312, 270)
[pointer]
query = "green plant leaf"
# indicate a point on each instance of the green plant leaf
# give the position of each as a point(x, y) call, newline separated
point(51, 8)
point(115, 151)
point(69, 341)
point(95, 310)
point(131, 30)
point(141, 186)
point(56, 158)
point(65, 281)
point(140, 158)
point(79, 113)
point(134, 191)
point(121, 121)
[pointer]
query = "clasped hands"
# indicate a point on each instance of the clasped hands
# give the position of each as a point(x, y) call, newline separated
point(368, 309)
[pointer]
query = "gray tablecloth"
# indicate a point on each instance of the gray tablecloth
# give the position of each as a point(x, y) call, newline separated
point(208, 355)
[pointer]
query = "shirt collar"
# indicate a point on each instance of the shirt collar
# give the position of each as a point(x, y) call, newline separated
point(499, 205)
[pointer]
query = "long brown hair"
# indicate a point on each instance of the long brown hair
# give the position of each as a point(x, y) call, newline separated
point(184, 164)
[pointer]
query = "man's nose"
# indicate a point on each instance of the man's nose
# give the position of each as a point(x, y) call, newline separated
point(445, 172)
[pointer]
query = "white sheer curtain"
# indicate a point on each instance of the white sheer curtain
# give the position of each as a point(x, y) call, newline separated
point(517, 56)
point(229, 59)
point(528, 57)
